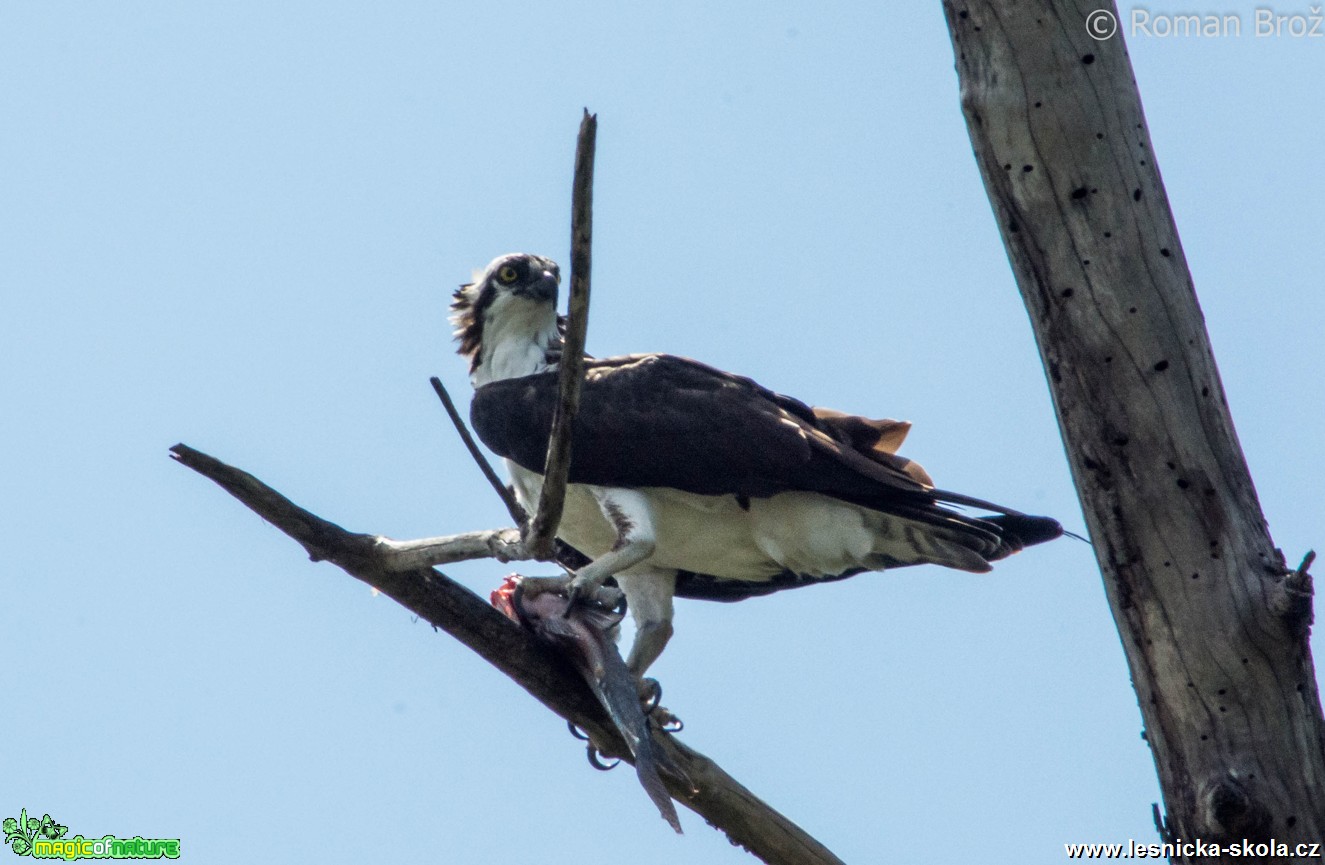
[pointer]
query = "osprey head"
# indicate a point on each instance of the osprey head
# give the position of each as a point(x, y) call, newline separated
point(507, 315)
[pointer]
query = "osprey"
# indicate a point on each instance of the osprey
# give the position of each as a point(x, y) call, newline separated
point(687, 480)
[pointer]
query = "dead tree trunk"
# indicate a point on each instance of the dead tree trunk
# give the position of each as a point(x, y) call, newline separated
point(1214, 625)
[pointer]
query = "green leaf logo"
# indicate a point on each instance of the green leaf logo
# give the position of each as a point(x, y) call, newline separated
point(22, 833)
point(50, 829)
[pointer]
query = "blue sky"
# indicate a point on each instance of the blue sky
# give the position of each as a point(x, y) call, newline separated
point(238, 226)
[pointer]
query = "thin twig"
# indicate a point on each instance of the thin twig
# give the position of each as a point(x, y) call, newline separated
point(504, 492)
point(702, 785)
point(557, 467)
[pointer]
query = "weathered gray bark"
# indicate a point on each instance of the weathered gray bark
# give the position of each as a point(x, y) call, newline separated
point(1214, 625)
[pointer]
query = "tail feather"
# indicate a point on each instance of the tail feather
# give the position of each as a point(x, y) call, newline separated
point(961, 542)
point(935, 537)
point(1019, 531)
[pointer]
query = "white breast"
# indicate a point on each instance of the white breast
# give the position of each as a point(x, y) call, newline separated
point(516, 335)
point(806, 533)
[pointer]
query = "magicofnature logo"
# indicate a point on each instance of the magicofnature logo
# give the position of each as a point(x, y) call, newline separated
point(45, 839)
point(22, 834)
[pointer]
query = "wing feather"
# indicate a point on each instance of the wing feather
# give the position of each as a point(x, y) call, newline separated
point(653, 420)
point(659, 420)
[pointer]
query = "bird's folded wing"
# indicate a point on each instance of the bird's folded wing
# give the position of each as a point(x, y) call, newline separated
point(666, 421)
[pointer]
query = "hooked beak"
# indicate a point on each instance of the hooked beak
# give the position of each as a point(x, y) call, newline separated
point(542, 289)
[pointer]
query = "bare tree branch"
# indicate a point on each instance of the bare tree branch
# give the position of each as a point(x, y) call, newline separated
point(504, 545)
point(543, 529)
point(503, 491)
point(1214, 624)
point(544, 673)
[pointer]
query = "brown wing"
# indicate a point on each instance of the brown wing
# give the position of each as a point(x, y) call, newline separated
point(664, 421)
point(876, 439)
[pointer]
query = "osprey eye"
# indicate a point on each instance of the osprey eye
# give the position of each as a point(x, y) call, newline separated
point(507, 274)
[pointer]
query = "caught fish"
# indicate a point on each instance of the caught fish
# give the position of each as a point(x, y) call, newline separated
point(584, 633)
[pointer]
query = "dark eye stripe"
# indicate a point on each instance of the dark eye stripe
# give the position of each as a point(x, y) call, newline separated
point(517, 267)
